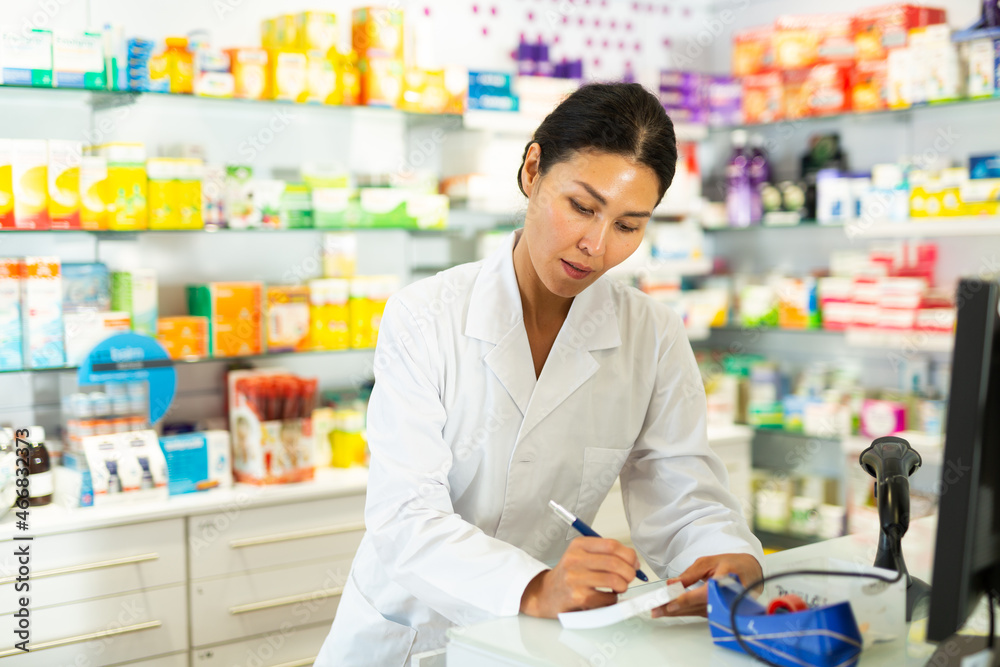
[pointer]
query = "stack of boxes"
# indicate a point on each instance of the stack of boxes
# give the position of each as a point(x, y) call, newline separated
point(877, 58)
point(691, 97)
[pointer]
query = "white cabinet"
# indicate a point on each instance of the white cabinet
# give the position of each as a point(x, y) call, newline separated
point(224, 543)
point(283, 648)
point(88, 564)
point(105, 631)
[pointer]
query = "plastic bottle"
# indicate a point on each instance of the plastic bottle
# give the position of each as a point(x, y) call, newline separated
point(760, 175)
point(39, 469)
point(738, 182)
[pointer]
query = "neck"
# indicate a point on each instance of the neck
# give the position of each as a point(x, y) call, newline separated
point(540, 307)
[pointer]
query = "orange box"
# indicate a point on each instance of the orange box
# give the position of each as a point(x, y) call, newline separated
point(869, 85)
point(753, 51)
point(381, 81)
point(184, 337)
point(878, 29)
point(762, 98)
point(234, 312)
point(287, 75)
point(796, 105)
point(377, 31)
point(827, 90)
point(803, 41)
point(288, 320)
point(250, 76)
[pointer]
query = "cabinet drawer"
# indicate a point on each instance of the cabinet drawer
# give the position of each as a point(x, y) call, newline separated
point(175, 660)
point(296, 648)
point(243, 605)
point(69, 567)
point(242, 541)
point(104, 632)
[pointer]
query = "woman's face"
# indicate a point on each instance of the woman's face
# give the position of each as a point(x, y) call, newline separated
point(585, 216)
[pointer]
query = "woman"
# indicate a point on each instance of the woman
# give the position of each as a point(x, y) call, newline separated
point(527, 377)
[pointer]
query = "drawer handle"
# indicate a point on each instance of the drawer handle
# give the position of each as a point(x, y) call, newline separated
point(285, 601)
point(304, 662)
point(55, 643)
point(128, 560)
point(298, 535)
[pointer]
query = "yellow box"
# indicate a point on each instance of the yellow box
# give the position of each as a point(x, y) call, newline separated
point(29, 176)
point(381, 81)
point(316, 31)
point(348, 78)
point(94, 193)
point(377, 31)
point(249, 68)
point(6, 186)
point(329, 314)
point(184, 337)
point(287, 76)
point(321, 79)
point(174, 193)
point(64, 184)
point(126, 185)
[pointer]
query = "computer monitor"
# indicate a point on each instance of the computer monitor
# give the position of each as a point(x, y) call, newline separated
point(967, 551)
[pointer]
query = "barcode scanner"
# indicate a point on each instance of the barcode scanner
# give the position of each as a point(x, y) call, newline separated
point(891, 461)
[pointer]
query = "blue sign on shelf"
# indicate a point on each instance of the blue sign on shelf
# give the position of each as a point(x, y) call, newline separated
point(132, 357)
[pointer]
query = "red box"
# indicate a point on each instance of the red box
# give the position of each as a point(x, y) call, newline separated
point(869, 86)
point(827, 90)
point(753, 51)
point(762, 98)
point(794, 100)
point(878, 29)
point(801, 41)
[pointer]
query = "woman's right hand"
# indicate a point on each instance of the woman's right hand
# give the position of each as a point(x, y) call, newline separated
point(589, 563)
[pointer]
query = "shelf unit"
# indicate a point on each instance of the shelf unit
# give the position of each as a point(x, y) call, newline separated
point(908, 341)
point(941, 227)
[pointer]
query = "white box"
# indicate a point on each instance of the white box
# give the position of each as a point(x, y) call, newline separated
point(126, 467)
point(198, 461)
point(26, 58)
point(86, 329)
point(41, 312)
point(78, 60)
point(982, 57)
point(11, 353)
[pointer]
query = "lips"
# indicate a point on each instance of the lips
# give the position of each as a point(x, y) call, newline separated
point(575, 271)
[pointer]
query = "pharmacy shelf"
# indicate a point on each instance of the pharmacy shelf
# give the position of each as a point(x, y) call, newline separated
point(521, 124)
point(923, 227)
point(205, 360)
point(890, 114)
point(782, 541)
point(902, 341)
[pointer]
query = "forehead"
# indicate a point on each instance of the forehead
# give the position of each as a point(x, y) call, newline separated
point(603, 170)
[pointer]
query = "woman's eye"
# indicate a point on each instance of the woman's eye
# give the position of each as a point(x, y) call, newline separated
point(581, 209)
point(625, 228)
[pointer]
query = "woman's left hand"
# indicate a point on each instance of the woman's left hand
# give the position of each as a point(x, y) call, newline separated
point(695, 602)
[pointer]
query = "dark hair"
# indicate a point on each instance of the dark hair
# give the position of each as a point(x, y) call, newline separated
point(619, 118)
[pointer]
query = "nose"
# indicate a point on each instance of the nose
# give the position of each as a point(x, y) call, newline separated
point(593, 242)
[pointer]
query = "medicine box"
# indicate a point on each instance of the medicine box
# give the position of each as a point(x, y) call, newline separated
point(984, 166)
point(126, 467)
point(95, 193)
point(134, 292)
point(64, 183)
point(234, 312)
point(184, 337)
point(197, 461)
point(29, 177)
point(6, 185)
point(126, 186)
point(84, 330)
point(41, 312)
point(86, 286)
point(377, 31)
point(78, 60)
point(26, 58)
point(11, 355)
point(288, 318)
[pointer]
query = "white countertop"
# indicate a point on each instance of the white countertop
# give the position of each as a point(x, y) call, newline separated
point(522, 640)
point(328, 483)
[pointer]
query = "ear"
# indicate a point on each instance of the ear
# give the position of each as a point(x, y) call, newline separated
point(529, 171)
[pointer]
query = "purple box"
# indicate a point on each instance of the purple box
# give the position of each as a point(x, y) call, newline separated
point(687, 115)
point(673, 79)
point(683, 99)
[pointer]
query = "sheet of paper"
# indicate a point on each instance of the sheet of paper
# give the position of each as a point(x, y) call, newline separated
point(633, 606)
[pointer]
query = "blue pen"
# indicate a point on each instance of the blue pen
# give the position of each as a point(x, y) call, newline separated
point(583, 528)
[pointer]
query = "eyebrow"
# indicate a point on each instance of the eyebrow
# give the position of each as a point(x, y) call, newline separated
point(604, 202)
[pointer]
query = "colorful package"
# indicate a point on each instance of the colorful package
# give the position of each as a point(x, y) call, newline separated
point(11, 354)
point(134, 292)
point(234, 312)
point(65, 158)
point(869, 85)
point(249, 72)
point(287, 75)
point(827, 90)
point(78, 60)
point(381, 81)
point(26, 58)
point(29, 177)
point(85, 329)
point(762, 98)
point(803, 41)
point(41, 312)
point(86, 287)
point(880, 29)
point(377, 31)
point(288, 318)
point(183, 337)
point(197, 461)
point(6, 185)
point(126, 185)
point(753, 51)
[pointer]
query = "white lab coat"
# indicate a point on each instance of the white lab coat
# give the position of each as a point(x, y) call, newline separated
point(467, 449)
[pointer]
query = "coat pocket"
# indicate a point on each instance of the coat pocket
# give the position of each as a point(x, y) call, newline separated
point(601, 466)
point(363, 637)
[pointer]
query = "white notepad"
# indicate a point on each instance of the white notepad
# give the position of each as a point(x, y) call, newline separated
point(633, 606)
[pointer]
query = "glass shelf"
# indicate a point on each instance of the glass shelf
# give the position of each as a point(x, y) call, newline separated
point(979, 103)
point(203, 360)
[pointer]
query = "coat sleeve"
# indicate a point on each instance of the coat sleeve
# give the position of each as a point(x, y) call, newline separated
point(422, 543)
point(675, 488)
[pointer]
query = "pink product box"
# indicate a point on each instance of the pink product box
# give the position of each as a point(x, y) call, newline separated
point(682, 99)
point(896, 319)
point(936, 319)
point(865, 315)
point(837, 315)
point(864, 291)
point(879, 418)
point(901, 292)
